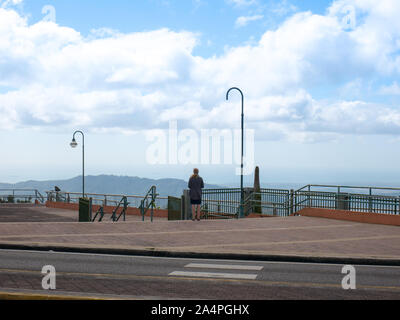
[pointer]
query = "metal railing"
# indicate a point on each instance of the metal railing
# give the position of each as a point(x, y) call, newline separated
point(273, 202)
point(221, 203)
point(120, 202)
point(20, 196)
point(368, 190)
point(373, 199)
point(103, 199)
point(225, 203)
point(149, 202)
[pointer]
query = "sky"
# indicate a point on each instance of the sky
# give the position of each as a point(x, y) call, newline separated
point(321, 85)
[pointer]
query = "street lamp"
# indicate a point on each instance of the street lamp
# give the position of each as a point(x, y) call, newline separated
point(241, 175)
point(73, 145)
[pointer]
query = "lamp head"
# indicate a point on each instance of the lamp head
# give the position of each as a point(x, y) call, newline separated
point(73, 144)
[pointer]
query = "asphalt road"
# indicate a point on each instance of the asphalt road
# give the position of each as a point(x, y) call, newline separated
point(171, 278)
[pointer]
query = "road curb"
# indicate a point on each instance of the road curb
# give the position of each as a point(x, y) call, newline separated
point(37, 296)
point(204, 255)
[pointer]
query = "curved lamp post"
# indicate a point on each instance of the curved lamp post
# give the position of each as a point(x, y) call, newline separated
point(74, 144)
point(241, 175)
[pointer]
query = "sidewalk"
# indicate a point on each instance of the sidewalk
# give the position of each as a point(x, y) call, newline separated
point(304, 239)
point(28, 213)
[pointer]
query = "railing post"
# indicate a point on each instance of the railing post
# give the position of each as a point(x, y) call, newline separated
point(398, 207)
point(90, 208)
point(370, 208)
point(125, 207)
point(153, 199)
point(187, 208)
point(291, 203)
point(142, 209)
point(337, 198)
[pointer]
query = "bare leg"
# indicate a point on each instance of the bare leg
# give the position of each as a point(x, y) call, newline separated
point(198, 212)
point(193, 212)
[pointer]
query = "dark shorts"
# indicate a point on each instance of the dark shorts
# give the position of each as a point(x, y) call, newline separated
point(194, 202)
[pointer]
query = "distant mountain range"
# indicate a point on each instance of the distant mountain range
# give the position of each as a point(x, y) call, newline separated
point(108, 184)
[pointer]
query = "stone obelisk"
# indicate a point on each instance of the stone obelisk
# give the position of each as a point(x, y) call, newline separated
point(257, 192)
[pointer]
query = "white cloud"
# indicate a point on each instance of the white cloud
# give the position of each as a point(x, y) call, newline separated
point(243, 3)
point(283, 7)
point(393, 89)
point(6, 3)
point(243, 21)
point(57, 78)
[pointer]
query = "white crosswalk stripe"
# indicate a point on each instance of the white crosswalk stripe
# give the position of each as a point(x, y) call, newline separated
point(221, 275)
point(214, 275)
point(223, 266)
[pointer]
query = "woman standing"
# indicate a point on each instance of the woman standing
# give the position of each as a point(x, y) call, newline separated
point(196, 185)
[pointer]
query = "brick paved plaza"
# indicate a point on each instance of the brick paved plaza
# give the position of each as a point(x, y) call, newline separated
point(291, 236)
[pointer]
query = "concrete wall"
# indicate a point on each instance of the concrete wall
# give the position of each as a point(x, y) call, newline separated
point(364, 217)
point(158, 213)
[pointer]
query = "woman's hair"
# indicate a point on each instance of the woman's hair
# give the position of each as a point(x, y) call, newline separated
point(195, 173)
